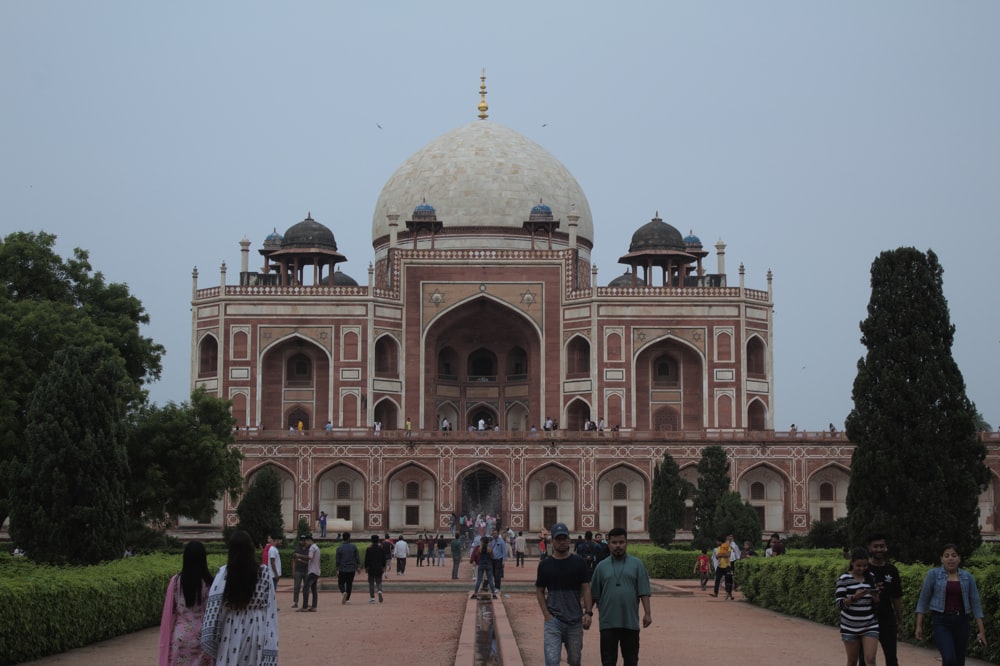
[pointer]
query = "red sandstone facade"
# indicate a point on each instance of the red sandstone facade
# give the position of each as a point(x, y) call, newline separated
point(475, 320)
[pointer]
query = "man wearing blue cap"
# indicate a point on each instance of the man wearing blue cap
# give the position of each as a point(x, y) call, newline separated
point(566, 578)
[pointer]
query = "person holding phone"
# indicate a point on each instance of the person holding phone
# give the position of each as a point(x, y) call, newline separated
point(857, 597)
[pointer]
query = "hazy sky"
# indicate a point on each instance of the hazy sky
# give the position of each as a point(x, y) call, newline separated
point(808, 136)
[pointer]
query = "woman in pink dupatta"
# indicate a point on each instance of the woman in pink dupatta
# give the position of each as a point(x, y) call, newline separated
point(183, 610)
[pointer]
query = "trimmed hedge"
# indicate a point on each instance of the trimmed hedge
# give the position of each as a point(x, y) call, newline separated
point(802, 584)
point(47, 610)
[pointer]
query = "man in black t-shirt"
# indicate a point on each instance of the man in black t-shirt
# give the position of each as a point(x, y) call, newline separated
point(890, 606)
point(566, 578)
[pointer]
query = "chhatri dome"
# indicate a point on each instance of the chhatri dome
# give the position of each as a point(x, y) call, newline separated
point(482, 177)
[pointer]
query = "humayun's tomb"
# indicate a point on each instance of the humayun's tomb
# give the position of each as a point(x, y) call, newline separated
point(481, 308)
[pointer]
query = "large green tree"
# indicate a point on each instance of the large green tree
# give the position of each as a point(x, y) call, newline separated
point(68, 493)
point(918, 466)
point(48, 303)
point(713, 483)
point(182, 459)
point(259, 512)
point(734, 515)
point(666, 508)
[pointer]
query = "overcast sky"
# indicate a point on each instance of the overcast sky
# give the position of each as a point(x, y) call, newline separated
point(808, 136)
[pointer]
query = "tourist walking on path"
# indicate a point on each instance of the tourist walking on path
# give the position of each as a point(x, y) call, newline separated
point(300, 570)
point(400, 552)
point(618, 586)
point(703, 567)
point(561, 584)
point(856, 597)
point(241, 617)
point(482, 559)
point(312, 575)
point(375, 564)
point(274, 560)
point(442, 545)
point(951, 596)
point(890, 607)
point(456, 556)
point(723, 568)
point(184, 609)
point(348, 560)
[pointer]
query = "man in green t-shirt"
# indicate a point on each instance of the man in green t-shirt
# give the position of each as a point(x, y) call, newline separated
point(618, 585)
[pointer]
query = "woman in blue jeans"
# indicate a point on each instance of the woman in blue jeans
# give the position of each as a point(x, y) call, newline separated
point(951, 596)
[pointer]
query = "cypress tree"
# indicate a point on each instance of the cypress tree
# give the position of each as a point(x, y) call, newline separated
point(713, 483)
point(666, 509)
point(918, 465)
point(68, 501)
point(259, 512)
point(734, 515)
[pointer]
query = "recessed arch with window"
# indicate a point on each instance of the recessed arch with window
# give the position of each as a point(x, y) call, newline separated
point(386, 357)
point(578, 357)
point(622, 498)
point(756, 361)
point(297, 415)
point(298, 370)
point(666, 372)
point(756, 416)
point(550, 491)
point(766, 487)
point(482, 365)
point(828, 494)
point(208, 356)
point(412, 490)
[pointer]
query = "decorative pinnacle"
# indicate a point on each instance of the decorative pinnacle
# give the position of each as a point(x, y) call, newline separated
point(483, 106)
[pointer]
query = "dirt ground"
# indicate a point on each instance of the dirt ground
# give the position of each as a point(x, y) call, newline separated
point(423, 627)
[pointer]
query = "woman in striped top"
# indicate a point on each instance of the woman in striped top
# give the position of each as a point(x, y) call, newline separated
point(857, 599)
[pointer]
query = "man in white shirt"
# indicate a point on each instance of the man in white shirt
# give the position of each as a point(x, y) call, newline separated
point(274, 560)
point(520, 546)
point(736, 549)
point(400, 551)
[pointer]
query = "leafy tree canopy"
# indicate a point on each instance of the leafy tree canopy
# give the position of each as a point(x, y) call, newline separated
point(918, 465)
point(68, 499)
point(48, 303)
point(182, 459)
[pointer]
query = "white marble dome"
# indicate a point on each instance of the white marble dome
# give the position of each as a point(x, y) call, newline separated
point(482, 175)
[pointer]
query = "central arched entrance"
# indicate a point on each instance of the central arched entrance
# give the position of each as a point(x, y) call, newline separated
point(482, 495)
point(485, 360)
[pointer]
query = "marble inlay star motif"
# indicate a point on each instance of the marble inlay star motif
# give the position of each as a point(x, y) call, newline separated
point(528, 298)
point(437, 298)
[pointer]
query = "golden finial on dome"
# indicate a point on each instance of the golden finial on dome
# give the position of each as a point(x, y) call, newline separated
point(483, 106)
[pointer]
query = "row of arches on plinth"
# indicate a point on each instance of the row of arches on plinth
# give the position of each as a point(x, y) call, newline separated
point(411, 499)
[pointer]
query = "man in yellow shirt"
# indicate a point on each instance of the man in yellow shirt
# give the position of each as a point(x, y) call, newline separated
point(721, 556)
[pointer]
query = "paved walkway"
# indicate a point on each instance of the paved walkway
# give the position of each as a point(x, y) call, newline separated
point(429, 619)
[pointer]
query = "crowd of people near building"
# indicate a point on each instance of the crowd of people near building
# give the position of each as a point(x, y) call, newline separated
point(231, 617)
